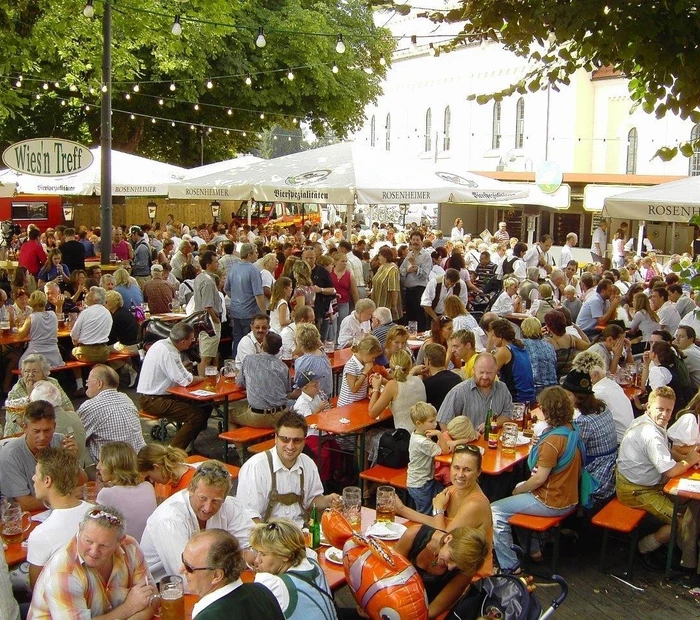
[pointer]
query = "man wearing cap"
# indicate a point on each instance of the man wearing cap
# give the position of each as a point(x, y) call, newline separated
point(244, 286)
point(157, 292)
point(140, 265)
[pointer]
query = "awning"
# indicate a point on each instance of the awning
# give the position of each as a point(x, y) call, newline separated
point(676, 201)
point(594, 195)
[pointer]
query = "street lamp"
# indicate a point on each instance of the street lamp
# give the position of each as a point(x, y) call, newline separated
point(215, 210)
point(68, 212)
point(403, 209)
point(152, 206)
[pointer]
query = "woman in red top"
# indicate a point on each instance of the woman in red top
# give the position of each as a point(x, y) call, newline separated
point(345, 286)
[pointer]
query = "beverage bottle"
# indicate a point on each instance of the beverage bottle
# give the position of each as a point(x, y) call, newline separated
point(315, 528)
point(491, 430)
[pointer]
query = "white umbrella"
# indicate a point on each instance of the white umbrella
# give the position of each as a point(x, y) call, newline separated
point(344, 173)
point(131, 176)
point(676, 201)
point(221, 166)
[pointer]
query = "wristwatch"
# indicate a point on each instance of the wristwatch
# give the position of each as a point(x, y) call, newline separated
point(438, 511)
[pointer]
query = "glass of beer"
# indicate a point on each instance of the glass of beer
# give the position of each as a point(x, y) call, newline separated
point(172, 598)
point(412, 329)
point(518, 413)
point(229, 371)
point(385, 504)
point(509, 437)
point(15, 523)
point(352, 507)
point(212, 374)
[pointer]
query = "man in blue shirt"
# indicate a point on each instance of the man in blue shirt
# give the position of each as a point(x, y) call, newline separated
point(244, 286)
point(599, 308)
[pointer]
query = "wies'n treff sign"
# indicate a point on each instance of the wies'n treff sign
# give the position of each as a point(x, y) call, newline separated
point(47, 157)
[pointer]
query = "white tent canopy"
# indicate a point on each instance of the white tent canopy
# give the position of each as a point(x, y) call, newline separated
point(344, 173)
point(676, 201)
point(131, 176)
point(221, 166)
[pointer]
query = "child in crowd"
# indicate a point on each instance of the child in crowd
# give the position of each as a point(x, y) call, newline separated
point(421, 483)
point(357, 371)
point(571, 302)
point(460, 430)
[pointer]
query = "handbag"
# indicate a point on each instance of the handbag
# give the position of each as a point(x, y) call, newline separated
point(393, 448)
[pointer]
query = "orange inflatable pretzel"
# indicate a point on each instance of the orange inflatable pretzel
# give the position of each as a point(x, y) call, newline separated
point(385, 584)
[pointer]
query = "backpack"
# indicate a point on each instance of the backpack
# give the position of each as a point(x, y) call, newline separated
point(393, 448)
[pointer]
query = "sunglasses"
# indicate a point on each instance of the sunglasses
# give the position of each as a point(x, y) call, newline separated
point(192, 569)
point(467, 448)
point(97, 513)
point(293, 440)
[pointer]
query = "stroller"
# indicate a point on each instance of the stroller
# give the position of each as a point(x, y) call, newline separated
point(505, 597)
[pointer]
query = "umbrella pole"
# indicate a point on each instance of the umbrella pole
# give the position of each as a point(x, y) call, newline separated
point(640, 237)
point(106, 137)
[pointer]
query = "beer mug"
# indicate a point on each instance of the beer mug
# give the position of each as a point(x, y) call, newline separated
point(211, 374)
point(90, 491)
point(112, 259)
point(518, 413)
point(329, 347)
point(172, 598)
point(15, 523)
point(412, 329)
point(229, 371)
point(385, 504)
point(352, 507)
point(509, 437)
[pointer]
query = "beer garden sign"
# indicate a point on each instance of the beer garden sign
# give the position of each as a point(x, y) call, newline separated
point(47, 157)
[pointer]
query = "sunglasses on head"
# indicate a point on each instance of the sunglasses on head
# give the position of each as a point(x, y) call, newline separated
point(465, 447)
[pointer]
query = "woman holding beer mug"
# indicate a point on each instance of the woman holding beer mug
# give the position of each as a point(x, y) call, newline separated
point(54, 271)
point(280, 549)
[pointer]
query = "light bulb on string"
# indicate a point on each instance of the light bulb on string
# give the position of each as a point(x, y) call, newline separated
point(172, 123)
point(192, 127)
point(18, 83)
point(136, 88)
point(63, 102)
point(289, 139)
point(368, 70)
point(210, 84)
point(133, 117)
point(295, 121)
point(382, 61)
point(56, 85)
point(260, 41)
point(104, 88)
point(177, 27)
point(274, 137)
point(172, 86)
point(228, 133)
point(244, 134)
point(340, 45)
point(160, 102)
point(127, 96)
point(45, 86)
point(335, 69)
point(262, 116)
point(290, 75)
point(87, 108)
point(209, 130)
point(229, 112)
point(92, 91)
point(196, 107)
point(153, 120)
point(89, 10)
point(248, 80)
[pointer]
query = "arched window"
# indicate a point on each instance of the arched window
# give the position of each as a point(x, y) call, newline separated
point(520, 123)
point(428, 130)
point(694, 168)
point(373, 131)
point(387, 142)
point(496, 126)
point(446, 129)
point(631, 167)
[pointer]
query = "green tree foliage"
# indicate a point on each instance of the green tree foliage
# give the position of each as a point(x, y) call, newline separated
point(51, 40)
point(654, 43)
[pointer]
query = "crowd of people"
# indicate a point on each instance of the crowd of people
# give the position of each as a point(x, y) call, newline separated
point(492, 323)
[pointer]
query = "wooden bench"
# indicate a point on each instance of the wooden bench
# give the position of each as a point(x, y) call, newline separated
point(71, 364)
point(395, 477)
point(243, 436)
point(262, 447)
point(617, 517)
point(198, 458)
point(532, 523)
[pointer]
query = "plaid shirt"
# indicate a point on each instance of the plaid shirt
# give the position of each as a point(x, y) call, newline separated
point(67, 588)
point(110, 416)
point(600, 437)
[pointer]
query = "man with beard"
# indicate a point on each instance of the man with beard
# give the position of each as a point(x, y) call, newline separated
point(474, 397)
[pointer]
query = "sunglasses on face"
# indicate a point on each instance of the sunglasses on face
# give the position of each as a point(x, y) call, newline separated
point(192, 569)
point(293, 440)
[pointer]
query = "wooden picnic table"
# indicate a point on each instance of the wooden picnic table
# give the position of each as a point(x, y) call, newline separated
point(12, 338)
point(494, 462)
point(671, 488)
point(224, 392)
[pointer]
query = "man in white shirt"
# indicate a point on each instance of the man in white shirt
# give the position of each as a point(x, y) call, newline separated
point(538, 256)
point(204, 505)
point(251, 343)
point(212, 564)
point(162, 369)
point(609, 392)
point(55, 480)
point(283, 482)
point(566, 254)
point(599, 243)
point(684, 304)
point(344, 247)
point(669, 318)
point(91, 331)
point(644, 464)
point(438, 289)
point(685, 341)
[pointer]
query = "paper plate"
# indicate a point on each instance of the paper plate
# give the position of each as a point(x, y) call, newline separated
point(522, 440)
point(386, 531)
point(334, 555)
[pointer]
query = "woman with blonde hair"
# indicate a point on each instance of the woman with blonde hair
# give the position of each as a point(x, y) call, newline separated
point(542, 354)
point(42, 328)
point(282, 566)
point(288, 269)
point(458, 230)
point(461, 319)
point(645, 320)
point(313, 358)
point(386, 283)
point(269, 264)
point(126, 491)
point(166, 468)
point(127, 288)
point(280, 316)
point(304, 294)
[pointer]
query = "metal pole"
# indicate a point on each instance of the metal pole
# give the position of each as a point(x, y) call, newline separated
point(201, 146)
point(106, 136)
